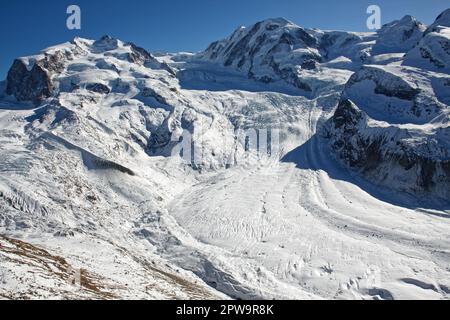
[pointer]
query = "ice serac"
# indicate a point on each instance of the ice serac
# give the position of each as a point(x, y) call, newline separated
point(399, 36)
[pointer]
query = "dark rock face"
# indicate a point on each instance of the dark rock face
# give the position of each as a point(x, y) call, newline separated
point(151, 93)
point(140, 53)
point(241, 48)
point(304, 36)
point(29, 85)
point(98, 87)
point(162, 140)
point(401, 93)
point(310, 64)
point(143, 57)
point(398, 89)
point(55, 62)
point(292, 77)
point(346, 116)
point(34, 84)
point(384, 156)
point(334, 44)
point(327, 41)
point(426, 168)
point(426, 54)
point(105, 43)
point(442, 20)
point(345, 122)
point(394, 95)
point(32, 80)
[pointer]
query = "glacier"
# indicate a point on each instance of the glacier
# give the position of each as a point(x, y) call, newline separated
point(350, 201)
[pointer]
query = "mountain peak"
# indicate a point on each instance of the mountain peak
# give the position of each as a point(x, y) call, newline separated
point(408, 18)
point(107, 43)
point(399, 36)
point(259, 130)
point(443, 20)
point(280, 20)
point(443, 15)
point(407, 21)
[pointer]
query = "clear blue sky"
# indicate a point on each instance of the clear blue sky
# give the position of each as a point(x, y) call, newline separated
point(28, 26)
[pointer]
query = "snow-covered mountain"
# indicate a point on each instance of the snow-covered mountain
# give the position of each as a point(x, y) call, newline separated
point(399, 36)
point(403, 140)
point(277, 49)
point(392, 125)
point(147, 172)
point(432, 52)
point(443, 20)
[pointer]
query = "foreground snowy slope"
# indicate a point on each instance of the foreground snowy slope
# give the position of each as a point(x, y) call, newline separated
point(349, 200)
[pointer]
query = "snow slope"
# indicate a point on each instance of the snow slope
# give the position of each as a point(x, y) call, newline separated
point(432, 52)
point(399, 36)
point(91, 177)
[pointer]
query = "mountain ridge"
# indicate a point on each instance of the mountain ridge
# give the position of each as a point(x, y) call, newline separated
point(149, 172)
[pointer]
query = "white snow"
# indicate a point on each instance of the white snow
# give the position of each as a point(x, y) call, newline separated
point(88, 178)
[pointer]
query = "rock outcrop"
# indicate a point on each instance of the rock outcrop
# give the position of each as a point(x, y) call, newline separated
point(392, 123)
point(396, 135)
point(29, 84)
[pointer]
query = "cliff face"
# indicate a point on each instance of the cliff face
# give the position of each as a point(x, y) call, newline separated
point(26, 85)
point(35, 78)
point(30, 78)
point(392, 123)
point(398, 157)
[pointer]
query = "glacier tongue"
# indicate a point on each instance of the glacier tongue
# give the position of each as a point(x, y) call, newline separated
point(350, 201)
